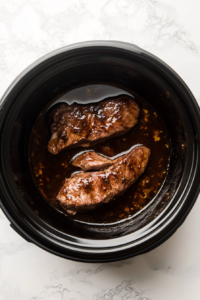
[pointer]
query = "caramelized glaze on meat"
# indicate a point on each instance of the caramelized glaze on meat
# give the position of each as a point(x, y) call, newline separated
point(91, 160)
point(76, 125)
point(87, 191)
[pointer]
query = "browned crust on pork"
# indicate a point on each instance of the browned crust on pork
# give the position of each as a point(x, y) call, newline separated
point(86, 191)
point(76, 125)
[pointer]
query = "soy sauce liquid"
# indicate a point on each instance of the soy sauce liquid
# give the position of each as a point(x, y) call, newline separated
point(49, 171)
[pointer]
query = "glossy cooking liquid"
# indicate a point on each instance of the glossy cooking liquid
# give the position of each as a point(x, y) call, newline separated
point(49, 171)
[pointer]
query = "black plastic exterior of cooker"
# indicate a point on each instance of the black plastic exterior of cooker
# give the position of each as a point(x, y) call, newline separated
point(128, 242)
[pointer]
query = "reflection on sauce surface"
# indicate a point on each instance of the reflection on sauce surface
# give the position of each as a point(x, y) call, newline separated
point(49, 171)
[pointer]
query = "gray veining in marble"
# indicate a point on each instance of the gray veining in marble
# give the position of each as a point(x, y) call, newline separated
point(167, 28)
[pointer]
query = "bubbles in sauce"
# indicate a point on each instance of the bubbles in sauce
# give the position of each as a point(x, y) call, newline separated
point(49, 171)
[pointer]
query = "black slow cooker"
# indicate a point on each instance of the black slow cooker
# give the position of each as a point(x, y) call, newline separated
point(133, 69)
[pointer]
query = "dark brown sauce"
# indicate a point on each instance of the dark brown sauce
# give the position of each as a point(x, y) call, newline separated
point(49, 171)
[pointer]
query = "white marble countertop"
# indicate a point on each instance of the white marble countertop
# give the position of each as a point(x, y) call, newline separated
point(167, 28)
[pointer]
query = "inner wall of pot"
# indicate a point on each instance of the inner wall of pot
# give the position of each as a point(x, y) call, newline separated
point(133, 77)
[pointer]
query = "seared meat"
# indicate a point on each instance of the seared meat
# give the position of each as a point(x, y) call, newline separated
point(91, 160)
point(87, 191)
point(76, 125)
